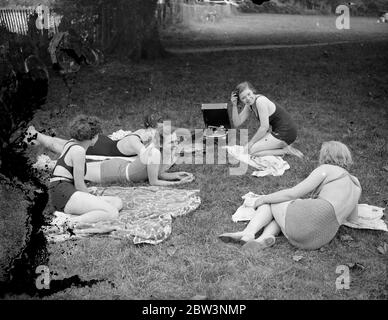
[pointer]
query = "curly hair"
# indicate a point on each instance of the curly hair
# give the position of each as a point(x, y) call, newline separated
point(151, 120)
point(84, 127)
point(336, 153)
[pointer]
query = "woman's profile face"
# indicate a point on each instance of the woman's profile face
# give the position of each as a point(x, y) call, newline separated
point(171, 142)
point(247, 96)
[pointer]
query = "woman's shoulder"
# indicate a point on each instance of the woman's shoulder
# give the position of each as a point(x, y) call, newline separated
point(76, 149)
point(263, 101)
point(332, 170)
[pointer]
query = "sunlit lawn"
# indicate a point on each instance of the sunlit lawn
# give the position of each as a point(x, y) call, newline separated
point(267, 29)
point(337, 95)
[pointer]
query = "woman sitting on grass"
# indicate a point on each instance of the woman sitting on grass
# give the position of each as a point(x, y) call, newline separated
point(129, 145)
point(307, 223)
point(276, 140)
point(67, 189)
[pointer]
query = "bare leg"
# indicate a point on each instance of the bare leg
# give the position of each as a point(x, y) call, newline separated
point(52, 143)
point(262, 217)
point(88, 208)
point(274, 152)
point(271, 146)
point(268, 142)
point(272, 229)
point(114, 201)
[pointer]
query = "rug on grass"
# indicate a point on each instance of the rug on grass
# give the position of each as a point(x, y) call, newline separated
point(368, 216)
point(146, 216)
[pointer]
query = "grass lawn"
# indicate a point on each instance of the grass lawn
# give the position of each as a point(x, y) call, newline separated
point(265, 29)
point(334, 93)
point(339, 95)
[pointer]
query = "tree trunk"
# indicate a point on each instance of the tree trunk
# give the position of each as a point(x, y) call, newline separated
point(136, 35)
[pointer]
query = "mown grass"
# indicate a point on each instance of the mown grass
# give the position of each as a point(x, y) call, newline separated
point(270, 29)
point(333, 93)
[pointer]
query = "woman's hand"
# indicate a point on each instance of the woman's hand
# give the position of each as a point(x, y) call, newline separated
point(182, 174)
point(259, 202)
point(187, 178)
point(234, 99)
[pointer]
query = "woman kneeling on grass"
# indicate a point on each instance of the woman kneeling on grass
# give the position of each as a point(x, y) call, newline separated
point(67, 189)
point(307, 223)
point(277, 130)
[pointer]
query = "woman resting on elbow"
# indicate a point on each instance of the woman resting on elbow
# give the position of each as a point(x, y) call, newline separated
point(149, 165)
point(277, 130)
point(67, 189)
point(130, 145)
point(307, 223)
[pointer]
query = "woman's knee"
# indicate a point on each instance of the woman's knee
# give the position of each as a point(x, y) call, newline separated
point(113, 213)
point(117, 203)
point(264, 207)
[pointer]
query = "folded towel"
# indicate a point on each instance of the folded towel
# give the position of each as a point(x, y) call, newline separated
point(266, 165)
point(368, 217)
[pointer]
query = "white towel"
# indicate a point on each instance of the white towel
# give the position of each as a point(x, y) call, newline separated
point(368, 217)
point(266, 165)
point(119, 134)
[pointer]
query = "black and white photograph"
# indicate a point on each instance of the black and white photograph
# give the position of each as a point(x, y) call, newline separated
point(193, 157)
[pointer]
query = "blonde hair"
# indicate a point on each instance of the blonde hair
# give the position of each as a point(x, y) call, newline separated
point(336, 153)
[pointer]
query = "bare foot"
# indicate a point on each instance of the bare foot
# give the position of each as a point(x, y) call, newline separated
point(248, 237)
point(256, 245)
point(293, 151)
point(231, 237)
point(31, 136)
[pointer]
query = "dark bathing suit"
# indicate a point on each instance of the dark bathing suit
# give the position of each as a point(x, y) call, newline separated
point(60, 191)
point(105, 146)
point(283, 127)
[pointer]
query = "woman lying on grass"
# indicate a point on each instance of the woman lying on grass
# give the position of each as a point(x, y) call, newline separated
point(130, 145)
point(149, 164)
point(152, 165)
point(277, 130)
point(67, 189)
point(307, 223)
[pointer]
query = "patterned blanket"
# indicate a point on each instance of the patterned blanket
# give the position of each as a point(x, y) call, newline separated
point(146, 216)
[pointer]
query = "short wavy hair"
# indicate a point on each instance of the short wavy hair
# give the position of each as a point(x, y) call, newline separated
point(151, 120)
point(84, 127)
point(336, 153)
point(243, 86)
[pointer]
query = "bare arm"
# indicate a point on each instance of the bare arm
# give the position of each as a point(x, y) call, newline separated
point(238, 119)
point(173, 175)
point(153, 170)
point(301, 189)
point(78, 159)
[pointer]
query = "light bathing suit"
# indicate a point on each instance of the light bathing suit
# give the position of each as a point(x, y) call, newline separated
point(312, 223)
point(114, 171)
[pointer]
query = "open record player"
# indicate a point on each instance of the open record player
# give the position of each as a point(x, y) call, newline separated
point(215, 132)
